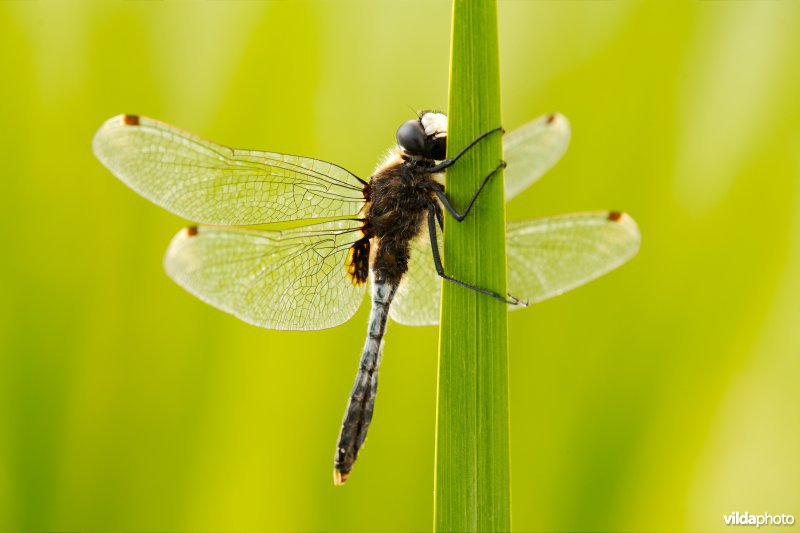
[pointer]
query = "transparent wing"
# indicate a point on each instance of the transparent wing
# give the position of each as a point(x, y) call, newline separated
point(533, 149)
point(549, 256)
point(418, 296)
point(212, 184)
point(546, 257)
point(294, 279)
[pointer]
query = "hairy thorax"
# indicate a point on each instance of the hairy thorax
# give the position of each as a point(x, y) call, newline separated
point(400, 195)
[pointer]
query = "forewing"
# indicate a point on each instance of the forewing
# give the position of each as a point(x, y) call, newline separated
point(549, 256)
point(212, 184)
point(293, 279)
point(533, 149)
point(419, 294)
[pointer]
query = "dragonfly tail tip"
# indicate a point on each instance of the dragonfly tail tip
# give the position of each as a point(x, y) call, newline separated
point(339, 478)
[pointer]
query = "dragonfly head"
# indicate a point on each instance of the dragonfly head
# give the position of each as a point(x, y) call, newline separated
point(425, 137)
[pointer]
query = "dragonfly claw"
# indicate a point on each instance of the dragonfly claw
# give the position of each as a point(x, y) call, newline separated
point(513, 300)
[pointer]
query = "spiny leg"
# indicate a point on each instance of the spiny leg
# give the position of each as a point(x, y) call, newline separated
point(437, 261)
point(447, 162)
point(452, 210)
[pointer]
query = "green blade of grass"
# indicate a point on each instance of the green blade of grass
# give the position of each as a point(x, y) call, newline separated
point(472, 459)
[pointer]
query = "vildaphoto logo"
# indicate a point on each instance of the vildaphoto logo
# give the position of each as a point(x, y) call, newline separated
point(746, 519)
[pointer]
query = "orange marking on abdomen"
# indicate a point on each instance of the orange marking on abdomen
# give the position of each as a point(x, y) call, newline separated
point(357, 263)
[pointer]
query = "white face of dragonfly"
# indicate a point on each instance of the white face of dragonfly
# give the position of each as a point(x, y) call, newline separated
point(435, 124)
point(425, 136)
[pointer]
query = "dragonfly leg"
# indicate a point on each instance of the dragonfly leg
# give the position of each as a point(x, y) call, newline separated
point(452, 210)
point(447, 162)
point(439, 216)
point(437, 261)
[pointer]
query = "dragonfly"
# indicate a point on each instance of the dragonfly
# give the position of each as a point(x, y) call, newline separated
point(386, 230)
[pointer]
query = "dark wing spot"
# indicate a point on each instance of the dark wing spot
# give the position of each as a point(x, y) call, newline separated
point(614, 216)
point(551, 118)
point(130, 120)
point(191, 231)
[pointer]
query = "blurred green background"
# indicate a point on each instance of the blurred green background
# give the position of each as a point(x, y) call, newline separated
point(660, 397)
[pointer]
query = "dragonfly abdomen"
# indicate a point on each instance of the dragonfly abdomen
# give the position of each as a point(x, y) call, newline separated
point(362, 398)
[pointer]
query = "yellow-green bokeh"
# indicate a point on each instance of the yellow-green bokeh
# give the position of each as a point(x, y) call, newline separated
point(658, 398)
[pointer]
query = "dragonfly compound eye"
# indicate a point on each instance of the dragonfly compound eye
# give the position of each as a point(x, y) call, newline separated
point(411, 137)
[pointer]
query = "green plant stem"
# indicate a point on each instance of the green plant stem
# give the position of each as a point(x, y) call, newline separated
point(472, 463)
